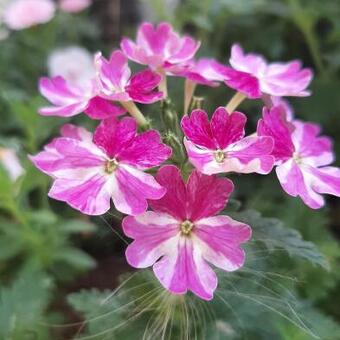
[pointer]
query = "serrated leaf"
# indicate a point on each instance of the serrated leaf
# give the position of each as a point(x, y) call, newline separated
point(275, 235)
point(98, 309)
point(22, 305)
point(76, 226)
point(76, 258)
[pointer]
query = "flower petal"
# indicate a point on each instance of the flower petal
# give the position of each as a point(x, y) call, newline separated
point(226, 128)
point(206, 195)
point(275, 125)
point(113, 136)
point(90, 196)
point(145, 151)
point(174, 202)
point(99, 108)
point(197, 129)
point(220, 238)
point(133, 189)
point(154, 234)
point(184, 269)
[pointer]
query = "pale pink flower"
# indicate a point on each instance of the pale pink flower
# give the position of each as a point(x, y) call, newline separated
point(89, 171)
point(116, 83)
point(220, 145)
point(74, 6)
point(21, 14)
point(159, 47)
point(69, 100)
point(183, 233)
point(302, 158)
point(252, 75)
point(9, 160)
point(286, 107)
point(75, 64)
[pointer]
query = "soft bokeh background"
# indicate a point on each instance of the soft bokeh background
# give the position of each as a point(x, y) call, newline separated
point(49, 252)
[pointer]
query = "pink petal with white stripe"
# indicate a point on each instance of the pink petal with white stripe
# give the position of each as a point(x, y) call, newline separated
point(220, 238)
point(220, 146)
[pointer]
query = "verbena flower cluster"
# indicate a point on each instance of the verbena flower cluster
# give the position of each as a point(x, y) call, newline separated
point(184, 228)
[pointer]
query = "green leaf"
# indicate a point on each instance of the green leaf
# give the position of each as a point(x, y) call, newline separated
point(22, 305)
point(75, 258)
point(98, 310)
point(275, 235)
point(76, 226)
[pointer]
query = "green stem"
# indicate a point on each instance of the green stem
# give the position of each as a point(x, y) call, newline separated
point(234, 102)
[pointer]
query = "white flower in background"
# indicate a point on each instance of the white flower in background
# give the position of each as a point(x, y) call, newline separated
point(75, 64)
point(9, 160)
point(21, 14)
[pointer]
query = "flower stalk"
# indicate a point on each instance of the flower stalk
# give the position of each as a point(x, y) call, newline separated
point(235, 101)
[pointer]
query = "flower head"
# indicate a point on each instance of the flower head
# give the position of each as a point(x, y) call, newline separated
point(302, 158)
point(183, 233)
point(115, 81)
point(69, 100)
point(252, 75)
point(90, 170)
point(74, 6)
point(220, 146)
point(21, 14)
point(74, 64)
point(159, 47)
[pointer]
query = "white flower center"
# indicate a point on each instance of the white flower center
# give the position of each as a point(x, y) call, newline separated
point(111, 165)
point(219, 156)
point(186, 227)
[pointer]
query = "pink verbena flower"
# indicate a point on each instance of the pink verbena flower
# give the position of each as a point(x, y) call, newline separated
point(116, 83)
point(159, 47)
point(252, 75)
point(74, 6)
point(89, 170)
point(302, 158)
point(183, 233)
point(21, 14)
point(71, 99)
point(220, 146)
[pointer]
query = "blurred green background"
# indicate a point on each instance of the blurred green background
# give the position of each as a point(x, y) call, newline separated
point(50, 253)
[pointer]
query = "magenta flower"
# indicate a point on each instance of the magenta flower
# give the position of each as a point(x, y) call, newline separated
point(21, 14)
point(253, 76)
point(116, 83)
point(182, 233)
point(159, 47)
point(220, 146)
point(70, 99)
point(302, 158)
point(89, 170)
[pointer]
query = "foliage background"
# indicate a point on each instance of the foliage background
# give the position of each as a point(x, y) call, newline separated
point(49, 253)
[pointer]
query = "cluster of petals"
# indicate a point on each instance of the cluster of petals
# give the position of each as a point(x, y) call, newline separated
point(21, 14)
point(220, 145)
point(253, 76)
point(159, 47)
point(116, 83)
point(302, 157)
point(113, 82)
point(183, 233)
point(90, 170)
